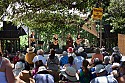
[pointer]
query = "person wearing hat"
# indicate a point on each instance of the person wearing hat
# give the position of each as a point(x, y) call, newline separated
point(70, 75)
point(30, 55)
point(43, 76)
point(116, 55)
point(64, 59)
point(101, 75)
point(82, 53)
point(104, 52)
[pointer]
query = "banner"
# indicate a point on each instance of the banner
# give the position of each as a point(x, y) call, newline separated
point(91, 29)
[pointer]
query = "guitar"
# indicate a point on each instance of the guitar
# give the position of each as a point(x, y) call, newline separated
point(78, 41)
point(55, 39)
point(32, 40)
point(55, 42)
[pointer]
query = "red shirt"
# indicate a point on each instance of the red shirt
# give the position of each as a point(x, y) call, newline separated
point(15, 59)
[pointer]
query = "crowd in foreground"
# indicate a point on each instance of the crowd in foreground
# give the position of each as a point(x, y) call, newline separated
point(69, 67)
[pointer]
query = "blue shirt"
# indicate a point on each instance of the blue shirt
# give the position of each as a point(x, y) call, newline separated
point(63, 60)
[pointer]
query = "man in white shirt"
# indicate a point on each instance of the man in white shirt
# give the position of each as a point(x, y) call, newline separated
point(40, 56)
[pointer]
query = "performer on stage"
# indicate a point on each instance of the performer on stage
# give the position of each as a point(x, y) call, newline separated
point(32, 39)
point(78, 41)
point(69, 41)
point(55, 44)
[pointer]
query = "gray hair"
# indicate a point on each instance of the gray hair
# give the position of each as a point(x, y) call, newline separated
point(40, 52)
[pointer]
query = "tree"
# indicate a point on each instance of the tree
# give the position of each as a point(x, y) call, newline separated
point(49, 16)
point(117, 15)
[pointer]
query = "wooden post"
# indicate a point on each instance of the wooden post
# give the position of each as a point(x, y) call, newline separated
point(100, 34)
point(0, 47)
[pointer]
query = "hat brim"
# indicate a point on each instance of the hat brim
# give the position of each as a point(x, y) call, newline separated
point(71, 78)
point(30, 50)
point(99, 71)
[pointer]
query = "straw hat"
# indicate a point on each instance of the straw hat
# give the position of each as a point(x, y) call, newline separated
point(30, 49)
point(80, 49)
point(42, 68)
point(99, 68)
point(70, 73)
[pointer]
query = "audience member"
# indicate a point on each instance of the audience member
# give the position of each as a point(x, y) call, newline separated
point(40, 56)
point(37, 64)
point(6, 73)
point(107, 64)
point(16, 58)
point(121, 78)
point(116, 54)
point(92, 67)
point(70, 51)
point(52, 61)
point(70, 63)
point(30, 55)
point(43, 76)
point(78, 61)
point(84, 73)
point(97, 55)
point(82, 53)
point(70, 75)
point(101, 75)
point(19, 66)
point(104, 52)
point(64, 59)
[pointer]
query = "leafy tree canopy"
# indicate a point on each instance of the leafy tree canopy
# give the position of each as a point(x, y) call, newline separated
point(116, 12)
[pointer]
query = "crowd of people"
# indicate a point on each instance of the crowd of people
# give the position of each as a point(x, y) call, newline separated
point(72, 66)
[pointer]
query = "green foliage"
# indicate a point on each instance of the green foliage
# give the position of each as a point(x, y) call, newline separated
point(117, 14)
point(48, 17)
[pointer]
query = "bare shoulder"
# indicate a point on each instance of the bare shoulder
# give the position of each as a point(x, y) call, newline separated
point(7, 62)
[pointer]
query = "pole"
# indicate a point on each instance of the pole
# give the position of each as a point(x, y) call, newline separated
point(28, 38)
point(100, 33)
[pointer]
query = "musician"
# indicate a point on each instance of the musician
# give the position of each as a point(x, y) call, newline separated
point(32, 39)
point(55, 44)
point(69, 41)
point(78, 41)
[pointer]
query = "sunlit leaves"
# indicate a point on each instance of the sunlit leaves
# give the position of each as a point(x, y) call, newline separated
point(117, 11)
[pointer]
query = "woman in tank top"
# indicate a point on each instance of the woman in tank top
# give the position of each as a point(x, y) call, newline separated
point(6, 74)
